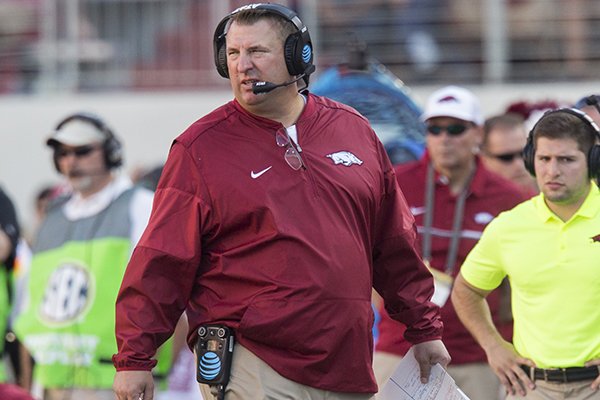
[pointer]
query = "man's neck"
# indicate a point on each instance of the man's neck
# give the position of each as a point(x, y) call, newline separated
point(565, 211)
point(287, 110)
point(97, 187)
point(458, 178)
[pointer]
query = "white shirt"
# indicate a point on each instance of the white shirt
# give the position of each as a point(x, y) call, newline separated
point(140, 207)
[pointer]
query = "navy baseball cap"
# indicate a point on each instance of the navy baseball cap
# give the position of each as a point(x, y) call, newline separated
point(587, 101)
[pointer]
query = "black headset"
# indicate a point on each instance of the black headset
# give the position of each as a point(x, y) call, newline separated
point(111, 147)
point(298, 49)
point(593, 156)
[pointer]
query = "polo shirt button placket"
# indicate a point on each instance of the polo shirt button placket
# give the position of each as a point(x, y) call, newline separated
point(562, 240)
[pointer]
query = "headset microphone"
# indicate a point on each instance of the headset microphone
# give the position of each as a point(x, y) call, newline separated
point(266, 87)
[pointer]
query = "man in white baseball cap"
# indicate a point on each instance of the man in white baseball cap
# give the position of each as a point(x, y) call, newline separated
point(455, 102)
point(76, 132)
point(452, 197)
point(85, 152)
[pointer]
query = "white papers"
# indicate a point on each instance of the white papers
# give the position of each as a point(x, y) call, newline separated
point(405, 383)
point(442, 284)
point(442, 290)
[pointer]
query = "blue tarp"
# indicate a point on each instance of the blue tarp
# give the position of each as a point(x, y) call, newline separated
point(384, 100)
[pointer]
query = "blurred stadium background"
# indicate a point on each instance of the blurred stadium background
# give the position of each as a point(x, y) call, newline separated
point(92, 45)
point(146, 66)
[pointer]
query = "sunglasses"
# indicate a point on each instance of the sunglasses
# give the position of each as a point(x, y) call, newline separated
point(508, 157)
point(453, 130)
point(78, 152)
point(291, 156)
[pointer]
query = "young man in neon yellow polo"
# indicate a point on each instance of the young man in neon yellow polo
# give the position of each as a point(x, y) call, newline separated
point(549, 247)
point(80, 255)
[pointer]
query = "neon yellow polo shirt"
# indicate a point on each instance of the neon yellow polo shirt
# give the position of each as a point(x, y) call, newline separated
point(554, 272)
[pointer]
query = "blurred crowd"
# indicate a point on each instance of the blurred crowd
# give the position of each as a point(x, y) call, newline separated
point(88, 45)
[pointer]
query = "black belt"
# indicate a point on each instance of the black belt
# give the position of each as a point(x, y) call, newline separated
point(573, 374)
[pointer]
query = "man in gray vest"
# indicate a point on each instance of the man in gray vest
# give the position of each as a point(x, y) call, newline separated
point(80, 254)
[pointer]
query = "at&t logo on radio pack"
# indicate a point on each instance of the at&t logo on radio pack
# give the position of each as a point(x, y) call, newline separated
point(214, 349)
point(67, 294)
point(209, 366)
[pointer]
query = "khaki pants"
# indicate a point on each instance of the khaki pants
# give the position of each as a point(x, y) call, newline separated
point(556, 390)
point(77, 394)
point(252, 378)
point(477, 380)
point(384, 365)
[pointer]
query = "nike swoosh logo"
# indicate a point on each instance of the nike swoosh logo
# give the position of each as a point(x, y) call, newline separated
point(255, 175)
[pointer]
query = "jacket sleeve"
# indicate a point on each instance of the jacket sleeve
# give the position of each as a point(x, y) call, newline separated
point(399, 274)
point(161, 272)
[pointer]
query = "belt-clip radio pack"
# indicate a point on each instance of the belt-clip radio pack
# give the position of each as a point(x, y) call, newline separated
point(214, 351)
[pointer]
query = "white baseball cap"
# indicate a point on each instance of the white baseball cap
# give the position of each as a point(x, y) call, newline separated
point(76, 133)
point(455, 102)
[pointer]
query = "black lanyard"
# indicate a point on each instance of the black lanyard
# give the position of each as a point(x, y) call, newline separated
point(459, 209)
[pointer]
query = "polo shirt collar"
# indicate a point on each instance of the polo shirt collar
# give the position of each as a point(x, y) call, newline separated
point(591, 205)
point(589, 208)
point(478, 183)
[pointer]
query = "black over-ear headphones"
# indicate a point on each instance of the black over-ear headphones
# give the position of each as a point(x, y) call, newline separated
point(298, 50)
point(111, 147)
point(593, 157)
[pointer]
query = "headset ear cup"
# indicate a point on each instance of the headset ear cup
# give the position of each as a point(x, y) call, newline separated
point(221, 61)
point(113, 154)
point(291, 53)
point(219, 45)
point(594, 162)
point(298, 54)
point(528, 155)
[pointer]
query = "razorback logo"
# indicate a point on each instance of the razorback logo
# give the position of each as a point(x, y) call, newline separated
point(447, 99)
point(345, 158)
point(596, 238)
